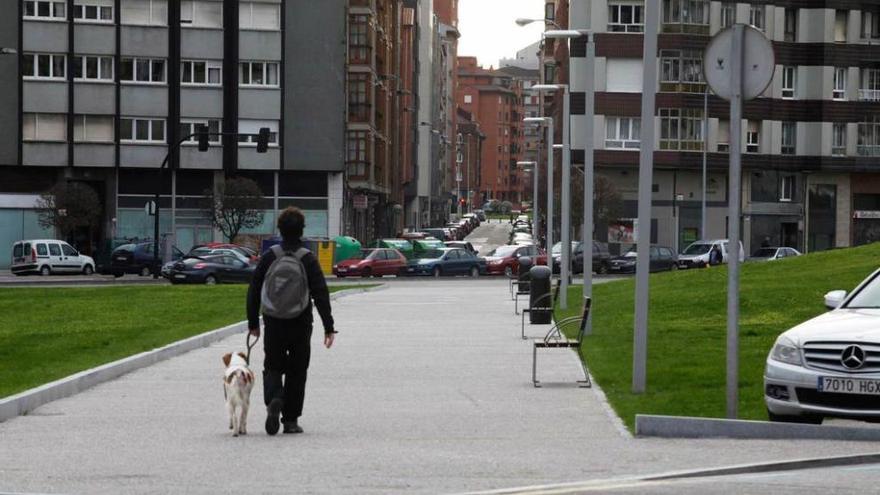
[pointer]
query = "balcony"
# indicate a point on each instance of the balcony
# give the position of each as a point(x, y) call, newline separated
point(869, 94)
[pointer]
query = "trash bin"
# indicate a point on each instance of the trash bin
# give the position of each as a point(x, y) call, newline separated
point(346, 248)
point(539, 295)
point(524, 276)
point(323, 250)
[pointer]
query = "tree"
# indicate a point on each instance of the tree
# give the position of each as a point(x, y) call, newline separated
point(234, 206)
point(68, 206)
point(607, 205)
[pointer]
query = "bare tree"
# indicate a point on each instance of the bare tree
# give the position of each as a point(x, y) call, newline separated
point(607, 205)
point(235, 205)
point(68, 206)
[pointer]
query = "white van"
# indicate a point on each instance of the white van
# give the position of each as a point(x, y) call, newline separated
point(48, 256)
point(697, 254)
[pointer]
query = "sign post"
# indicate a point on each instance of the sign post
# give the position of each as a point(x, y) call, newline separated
point(738, 65)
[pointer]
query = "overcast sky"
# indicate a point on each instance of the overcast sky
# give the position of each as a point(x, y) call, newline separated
point(488, 30)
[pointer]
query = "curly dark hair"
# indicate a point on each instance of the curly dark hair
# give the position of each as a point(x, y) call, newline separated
point(291, 223)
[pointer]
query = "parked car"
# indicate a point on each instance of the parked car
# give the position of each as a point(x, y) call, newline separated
point(774, 253)
point(372, 262)
point(521, 237)
point(243, 250)
point(138, 259)
point(829, 365)
point(411, 236)
point(696, 255)
point(48, 256)
point(662, 258)
point(467, 246)
point(208, 251)
point(447, 261)
point(473, 219)
point(436, 233)
point(210, 270)
point(601, 257)
point(505, 259)
point(481, 215)
point(458, 233)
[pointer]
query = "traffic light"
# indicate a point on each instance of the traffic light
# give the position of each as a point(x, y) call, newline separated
point(202, 131)
point(263, 139)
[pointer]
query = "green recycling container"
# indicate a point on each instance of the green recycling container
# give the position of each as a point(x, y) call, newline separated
point(346, 248)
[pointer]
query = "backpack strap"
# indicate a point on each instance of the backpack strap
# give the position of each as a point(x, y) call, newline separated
point(278, 251)
point(301, 253)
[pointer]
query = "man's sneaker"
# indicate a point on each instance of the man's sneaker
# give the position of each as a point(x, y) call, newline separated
point(292, 428)
point(273, 411)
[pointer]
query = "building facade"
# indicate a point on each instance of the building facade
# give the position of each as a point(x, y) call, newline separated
point(809, 142)
point(100, 91)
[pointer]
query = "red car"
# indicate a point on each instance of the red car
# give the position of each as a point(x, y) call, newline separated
point(372, 262)
point(505, 259)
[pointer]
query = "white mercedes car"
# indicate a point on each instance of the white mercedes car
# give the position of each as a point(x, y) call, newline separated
point(830, 365)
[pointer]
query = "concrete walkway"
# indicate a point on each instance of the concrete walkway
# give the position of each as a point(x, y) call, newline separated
point(427, 391)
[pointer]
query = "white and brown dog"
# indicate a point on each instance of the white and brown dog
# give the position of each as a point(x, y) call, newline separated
point(237, 383)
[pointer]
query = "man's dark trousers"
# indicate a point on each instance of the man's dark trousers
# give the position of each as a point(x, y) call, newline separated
point(287, 351)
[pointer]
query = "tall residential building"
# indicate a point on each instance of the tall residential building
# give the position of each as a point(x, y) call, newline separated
point(445, 116)
point(532, 136)
point(810, 142)
point(100, 89)
point(494, 98)
point(469, 146)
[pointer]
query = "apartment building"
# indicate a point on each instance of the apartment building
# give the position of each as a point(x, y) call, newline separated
point(526, 77)
point(469, 146)
point(495, 99)
point(99, 91)
point(810, 142)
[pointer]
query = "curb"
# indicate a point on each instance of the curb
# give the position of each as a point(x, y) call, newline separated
point(687, 427)
point(25, 402)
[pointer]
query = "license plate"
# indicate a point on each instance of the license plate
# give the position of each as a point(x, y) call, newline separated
point(120, 258)
point(180, 276)
point(860, 386)
point(342, 270)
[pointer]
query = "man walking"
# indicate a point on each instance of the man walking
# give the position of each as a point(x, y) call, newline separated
point(285, 283)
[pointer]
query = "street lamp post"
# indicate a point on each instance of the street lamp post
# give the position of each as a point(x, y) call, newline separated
point(534, 168)
point(548, 122)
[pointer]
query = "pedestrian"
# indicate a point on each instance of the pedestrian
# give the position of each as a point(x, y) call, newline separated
point(286, 300)
point(715, 256)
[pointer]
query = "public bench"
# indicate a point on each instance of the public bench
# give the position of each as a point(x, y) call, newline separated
point(556, 339)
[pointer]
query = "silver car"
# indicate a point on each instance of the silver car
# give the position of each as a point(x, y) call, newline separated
point(830, 365)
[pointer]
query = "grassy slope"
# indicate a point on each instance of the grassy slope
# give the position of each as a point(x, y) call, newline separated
point(49, 333)
point(687, 330)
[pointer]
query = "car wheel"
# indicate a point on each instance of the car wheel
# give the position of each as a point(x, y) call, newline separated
point(508, 270)
point(475, 272)
point(366, 273)
point(210, 280)
point(674, 267)
point(118, 274)
point(603, 269)
point(145, 272)
point(88, 270)
point(45, 271)
point(810, 419)
point(437, 271)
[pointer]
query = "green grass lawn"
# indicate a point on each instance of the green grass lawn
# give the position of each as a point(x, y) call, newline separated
point(49, 333)
point(687, 330)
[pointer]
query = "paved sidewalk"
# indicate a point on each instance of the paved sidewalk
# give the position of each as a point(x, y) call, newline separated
point(427, 391)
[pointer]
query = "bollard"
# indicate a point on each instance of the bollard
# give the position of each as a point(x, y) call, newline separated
point(539, 296)
point(523, 274)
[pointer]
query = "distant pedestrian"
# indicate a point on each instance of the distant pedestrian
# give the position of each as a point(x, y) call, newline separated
point(285, 283)
point(715, 256)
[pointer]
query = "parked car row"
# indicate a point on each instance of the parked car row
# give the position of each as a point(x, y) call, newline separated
point(601, 262)
point(442, 261)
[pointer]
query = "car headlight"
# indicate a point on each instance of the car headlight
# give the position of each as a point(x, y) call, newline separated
point(785, 351)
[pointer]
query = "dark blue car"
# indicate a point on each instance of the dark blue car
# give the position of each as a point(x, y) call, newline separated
point(138, 258)
point(447, 261)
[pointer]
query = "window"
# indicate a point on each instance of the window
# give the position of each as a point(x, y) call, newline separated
point(838, 139)
point(358, 104)
point(258, 74)
point(868, 140)
point(253, 127)
point(728, 14)
point(723, 136)
point(870, 85)
point(626, 17)
point(44, 127)
point(93, 10)
point(356, 153)
point(840, 22)
point(93, 68)
point(92, 129)
point(201, 13)
point(201, 72)
point(686, 16)
point(786, 189)
point(791, 20)
point(549, 12)
point(468, 99)
point(789, 137)
point(141, 130)
point(142, 70)
point(789, 82)
point(681, 71)
point(257, 15)
point(839, 91)
point(358, 39)
point(756, 16)
point(54, 250)
point(44, 66)
point(753, 137)
point(145, 12)
point(622, 132)
point(45, 10)
point(870, 24)
point(681, 129)
point(192, 126)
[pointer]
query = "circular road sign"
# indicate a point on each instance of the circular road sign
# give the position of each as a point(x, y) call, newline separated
point(758, 63)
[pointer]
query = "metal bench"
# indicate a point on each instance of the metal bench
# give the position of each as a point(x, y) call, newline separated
point(547, 302)
point(556, 339)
